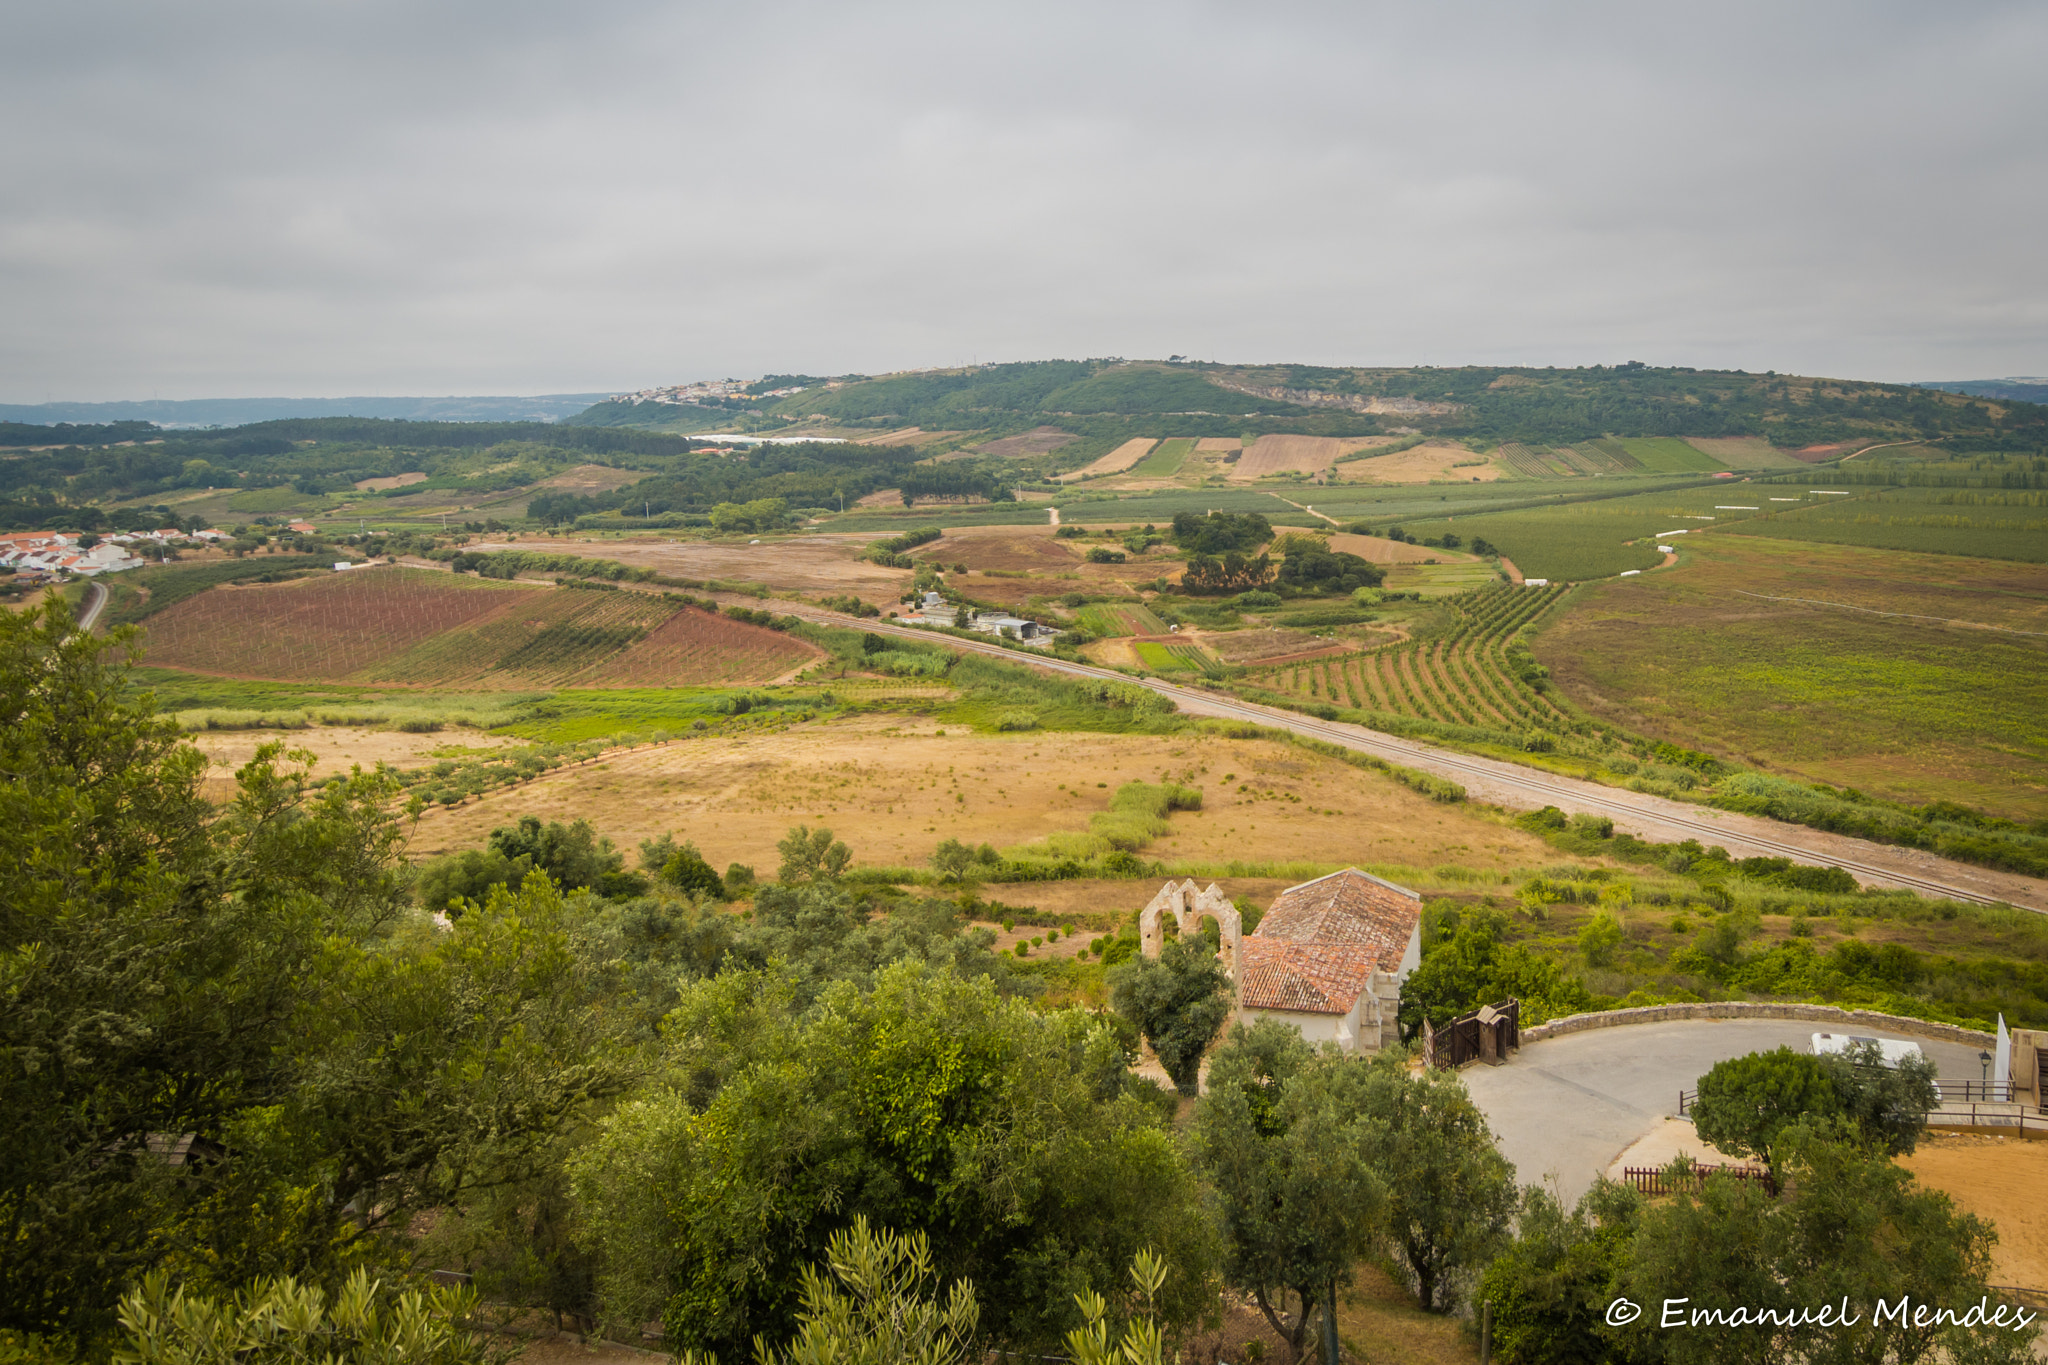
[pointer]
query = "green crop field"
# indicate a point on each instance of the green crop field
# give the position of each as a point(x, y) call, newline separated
point(1471, 675)
point(1165, 658)
point(1440, 580)
point(1165, 461)
point(1118, 618)
point(1993, 523)
point(1668, 455)
point(1899, 706)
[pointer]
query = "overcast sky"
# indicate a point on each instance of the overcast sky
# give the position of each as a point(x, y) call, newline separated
point(212, 199)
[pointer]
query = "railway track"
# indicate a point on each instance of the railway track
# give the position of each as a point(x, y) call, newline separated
point(1505, 782)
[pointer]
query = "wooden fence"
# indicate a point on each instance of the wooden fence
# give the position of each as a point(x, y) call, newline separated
point(1487, 1034)
point(1658, 1180)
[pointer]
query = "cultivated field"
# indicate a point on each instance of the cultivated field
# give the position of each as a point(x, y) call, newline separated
point(1380, 550)
point(325, 627)
point(894, 788)
point(1005, 548)
point(1284, 454)
point(1894, 705)
point(1426, 463)
point(695, 647)
point(1463, 677)
point(1116, 462)
point(1993, 523)
point(419, 628)
point(1743, 452)
point(811, 563)
point(1037, 441)
point(1110, 618)
point(591, 478)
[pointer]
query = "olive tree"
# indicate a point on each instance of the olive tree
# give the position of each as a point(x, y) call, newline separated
point(1179, 1001)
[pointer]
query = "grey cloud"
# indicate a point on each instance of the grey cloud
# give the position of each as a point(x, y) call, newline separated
point(325, 198)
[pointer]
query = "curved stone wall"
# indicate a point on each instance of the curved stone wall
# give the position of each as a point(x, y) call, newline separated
point(1863, 1020)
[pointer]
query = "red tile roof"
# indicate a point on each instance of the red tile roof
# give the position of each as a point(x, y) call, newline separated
point(1348, 907)
point(1318, 945)
point(1308, 978)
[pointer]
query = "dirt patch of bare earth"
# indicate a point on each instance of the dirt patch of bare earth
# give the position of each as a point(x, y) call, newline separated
point(393, 481)
point(908, 436)
point(1037, 441)
point(592, 478)
point(1116, 462)
point(1743, 452)
point(1427, 463)
point(1987, 1175)
point(1291, 454)
point(1380, 550)
point(894, 787)
point(822, 563)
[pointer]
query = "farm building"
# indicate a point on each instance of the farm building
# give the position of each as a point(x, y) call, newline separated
point(1328, 958)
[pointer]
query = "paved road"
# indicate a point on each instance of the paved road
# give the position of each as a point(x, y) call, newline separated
point(1565, 1108)
point(95, 600)
point(1507, 784)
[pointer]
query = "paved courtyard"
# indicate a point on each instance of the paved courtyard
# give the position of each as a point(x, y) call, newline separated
point(1564, 1108)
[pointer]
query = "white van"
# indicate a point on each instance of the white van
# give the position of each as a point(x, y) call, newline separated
point(1894, 1050)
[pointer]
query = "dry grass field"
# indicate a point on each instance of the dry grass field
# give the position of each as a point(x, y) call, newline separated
point(393, 481)
point(2002, 1180)
point(1426, 463)
point(335, 749)
point(1743, 452)
point(1007, 548)
point(1116, 462)
point(893, 788)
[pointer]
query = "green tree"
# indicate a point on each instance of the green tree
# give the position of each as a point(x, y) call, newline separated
point(1283, 1137)
point(1475, 968)
point(1178, 1001)
point(811, 855)
point(1746, 1103)
point(1888, 1105)
point(1599, 938)
point(930, 1104)
point(1853, 1226)
point(1450, 1193)
point(1549, 1289)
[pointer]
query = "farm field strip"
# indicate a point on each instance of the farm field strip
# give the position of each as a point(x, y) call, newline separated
point(321, 627)
point(1464, 678)
point(1521, 788)
point(1116, 462)
point(1165, 462)
point(1116, 618)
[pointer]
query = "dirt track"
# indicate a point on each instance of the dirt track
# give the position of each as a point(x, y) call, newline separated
point(1645, 816)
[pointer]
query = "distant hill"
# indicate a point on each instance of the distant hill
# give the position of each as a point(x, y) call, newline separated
point(234, 412)
point(1103, 400)
point(2032, 389)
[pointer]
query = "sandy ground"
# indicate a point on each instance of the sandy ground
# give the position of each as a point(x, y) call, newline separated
point(893, 788)
point(821, 563)
point(1664, 1144)
point(1117, 461)
point(2002, 1180)
point(336, 748)
point(1421, 464)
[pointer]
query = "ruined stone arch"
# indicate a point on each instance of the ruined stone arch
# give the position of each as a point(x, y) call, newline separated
point(1188, 904)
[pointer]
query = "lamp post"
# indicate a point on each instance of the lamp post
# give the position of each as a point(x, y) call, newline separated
point(1984, 1060)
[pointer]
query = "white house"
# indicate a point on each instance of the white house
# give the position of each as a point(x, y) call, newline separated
point(1329, 957)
